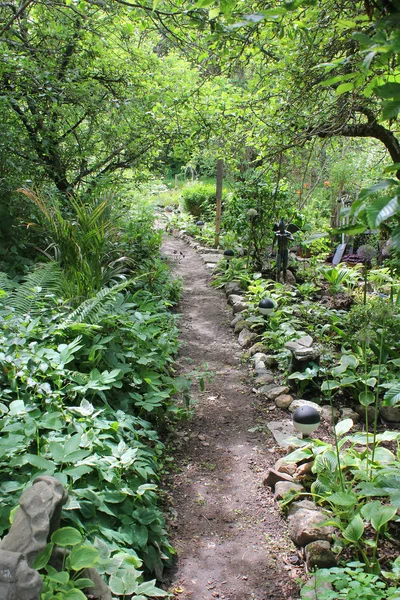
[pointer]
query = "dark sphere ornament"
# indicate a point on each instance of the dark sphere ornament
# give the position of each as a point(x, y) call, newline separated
point(228, 254)
point(266, 306)
point(306, 419)
point(200, 224)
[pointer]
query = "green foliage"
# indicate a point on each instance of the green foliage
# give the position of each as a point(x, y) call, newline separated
point(351, 583)
point(85, 394)
point(199, 200)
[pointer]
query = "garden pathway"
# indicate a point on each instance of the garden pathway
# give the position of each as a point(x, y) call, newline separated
point(230, 537)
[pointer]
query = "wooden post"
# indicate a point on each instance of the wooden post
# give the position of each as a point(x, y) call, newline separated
point(220, 177)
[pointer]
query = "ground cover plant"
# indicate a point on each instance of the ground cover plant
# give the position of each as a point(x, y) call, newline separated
point(87, 389)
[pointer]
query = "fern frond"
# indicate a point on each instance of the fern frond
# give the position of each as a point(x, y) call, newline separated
point(92, 309)
point(28, 297)
point(6, 284)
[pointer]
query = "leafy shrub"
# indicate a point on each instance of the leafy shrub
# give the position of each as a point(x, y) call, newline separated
point(199, 200)
point(84, 396)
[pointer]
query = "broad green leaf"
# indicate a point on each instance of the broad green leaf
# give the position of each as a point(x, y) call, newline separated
point(355, 529)
point(345, 87)
point(390, 110)
point(43, 557)
point(384, 184)
point(330, 385)
point(343, 426)
point(343, 499)
point(66, 536)
point(75, 595)
point(384, 456)
point(149, 589)
point(213, 13)
point(366, 398)
point(388, 90)
point(392, 396)
point(386, 514)
point(40, 462)
point(349, 360)
point(84, 557)
point(61, 577)
point(382, 209)
point(371, 510)
point(83, 582)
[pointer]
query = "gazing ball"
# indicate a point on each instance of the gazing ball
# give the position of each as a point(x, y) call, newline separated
point(306, 419)
point(200, 223)
point(266, 306)
point(228, 254)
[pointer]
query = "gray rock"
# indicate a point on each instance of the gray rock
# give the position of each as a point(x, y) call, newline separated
point(320, 555)
point(233, 287)
point(282, 431)
point(390, 413)
point(271, 360)
point(284, 487)
point(326, 413)
point(264, 379)
point(236, 320)
point(37, 517)
point(246, 338)
point(303, 354)
point(258, 347)
point(349, 413)
point(284, 401)
point(300, 402)
point(303, 524)
point(290, 278)
point(212, 258)
point(240, 325)
point(259, 368)
point(306, 341)
point(234, 298)
point(360, 410)
point(239, 307)
point(265, 389)
point(277, 391)
point(259, 356)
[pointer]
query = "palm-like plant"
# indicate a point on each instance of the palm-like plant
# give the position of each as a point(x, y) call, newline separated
point(338, 278)
point(81, 241)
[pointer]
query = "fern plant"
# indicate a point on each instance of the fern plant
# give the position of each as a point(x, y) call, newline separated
point(29, 296)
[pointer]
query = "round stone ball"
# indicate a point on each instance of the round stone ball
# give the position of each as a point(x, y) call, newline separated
point(306, 419)
point(266, 306)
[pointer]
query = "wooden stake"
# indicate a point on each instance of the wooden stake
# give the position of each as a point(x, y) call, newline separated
point(220, 177)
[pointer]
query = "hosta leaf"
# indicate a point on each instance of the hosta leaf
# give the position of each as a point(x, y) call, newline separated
point(43, 557)
point(84, 557)
point(379, 519)
point(366, 398)
point(66, 536)
point(343, 426)
point(343, 499)
point(349, 360)
point(354, 530)
point(371, 509)
point(149, 589)
point(384, 456)
point(75, 595)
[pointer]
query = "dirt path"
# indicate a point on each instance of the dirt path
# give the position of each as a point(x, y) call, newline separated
point(230, 537)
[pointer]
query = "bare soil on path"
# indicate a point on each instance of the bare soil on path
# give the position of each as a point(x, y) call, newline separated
point(226, 526)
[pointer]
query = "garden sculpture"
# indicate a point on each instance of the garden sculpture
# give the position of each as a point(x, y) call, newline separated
point(282, 237)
